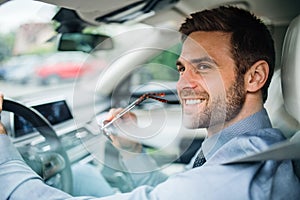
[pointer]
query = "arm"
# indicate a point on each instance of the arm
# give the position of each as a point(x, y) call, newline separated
point(17, 179)
point(142, 168)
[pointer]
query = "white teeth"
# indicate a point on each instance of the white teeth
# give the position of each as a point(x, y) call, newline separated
point(193, 101)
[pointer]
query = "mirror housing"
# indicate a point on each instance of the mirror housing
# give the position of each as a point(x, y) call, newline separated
point(84, 42)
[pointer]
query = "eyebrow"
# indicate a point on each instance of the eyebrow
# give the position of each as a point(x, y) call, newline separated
point(198, 60)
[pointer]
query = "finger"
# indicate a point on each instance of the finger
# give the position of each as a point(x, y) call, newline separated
point(130, 116)
point(119, 141)
point(2, 129)
point(1, 101)
point(126, 118)
point(112, 113)
point(114, 139)
point(116, 111)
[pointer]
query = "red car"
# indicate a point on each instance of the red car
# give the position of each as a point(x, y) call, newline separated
point(64, 66)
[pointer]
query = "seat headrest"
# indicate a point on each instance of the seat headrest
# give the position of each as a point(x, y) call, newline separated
point(290, 72)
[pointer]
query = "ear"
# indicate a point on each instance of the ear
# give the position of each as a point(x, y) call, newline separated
point(256, 76)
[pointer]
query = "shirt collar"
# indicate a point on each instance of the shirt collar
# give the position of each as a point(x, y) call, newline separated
point(256, 121)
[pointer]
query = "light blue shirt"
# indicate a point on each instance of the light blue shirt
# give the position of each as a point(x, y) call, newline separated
point(213, 180)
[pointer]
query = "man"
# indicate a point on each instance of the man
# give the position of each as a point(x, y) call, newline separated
point(225, 67)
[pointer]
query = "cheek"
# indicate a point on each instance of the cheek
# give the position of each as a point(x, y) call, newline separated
point(178, 85)
point(215, 84)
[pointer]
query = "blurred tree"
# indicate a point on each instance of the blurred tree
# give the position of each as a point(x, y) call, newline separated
point(167, 60)
point(6, 45)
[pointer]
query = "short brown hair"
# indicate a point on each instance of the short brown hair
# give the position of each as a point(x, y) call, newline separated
point(251, 40)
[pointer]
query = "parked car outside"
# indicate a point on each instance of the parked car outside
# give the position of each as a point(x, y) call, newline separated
point(20, 69)
point(65, 66)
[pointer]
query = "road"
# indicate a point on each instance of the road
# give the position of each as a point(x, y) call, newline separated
point(19, 91)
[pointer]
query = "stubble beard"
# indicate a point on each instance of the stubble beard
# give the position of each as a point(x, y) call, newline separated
point(220, 110)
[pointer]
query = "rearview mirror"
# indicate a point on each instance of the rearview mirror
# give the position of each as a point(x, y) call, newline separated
point(84, 42)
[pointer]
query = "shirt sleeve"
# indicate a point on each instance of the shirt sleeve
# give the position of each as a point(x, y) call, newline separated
point(143, 170)
point(17, 180)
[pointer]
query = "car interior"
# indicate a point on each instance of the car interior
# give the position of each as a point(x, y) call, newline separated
point(132, 47)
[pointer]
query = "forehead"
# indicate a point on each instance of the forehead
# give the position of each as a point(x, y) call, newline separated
point(207, 44)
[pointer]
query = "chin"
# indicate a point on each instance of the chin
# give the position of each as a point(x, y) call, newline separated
point(189, 122)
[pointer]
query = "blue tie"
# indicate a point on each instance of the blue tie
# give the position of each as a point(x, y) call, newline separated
point(200, 160)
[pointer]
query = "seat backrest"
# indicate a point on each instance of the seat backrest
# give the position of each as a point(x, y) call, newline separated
point(290, 69)
point(283, 103)
point(290, 75)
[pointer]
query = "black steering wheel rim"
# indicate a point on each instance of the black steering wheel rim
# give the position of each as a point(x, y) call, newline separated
point(45, 129)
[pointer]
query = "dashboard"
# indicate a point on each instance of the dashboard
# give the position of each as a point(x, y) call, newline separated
point(76, 139)
point(55, 112)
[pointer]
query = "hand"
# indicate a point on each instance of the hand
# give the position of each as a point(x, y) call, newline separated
point(2, 129)
point(123, 125)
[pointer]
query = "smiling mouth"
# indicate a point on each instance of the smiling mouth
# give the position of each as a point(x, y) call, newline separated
point(193, 101)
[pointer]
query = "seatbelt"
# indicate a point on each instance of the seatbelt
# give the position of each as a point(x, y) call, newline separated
point(286, 150)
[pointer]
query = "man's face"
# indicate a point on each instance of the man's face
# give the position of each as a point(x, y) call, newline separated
point(209, 89)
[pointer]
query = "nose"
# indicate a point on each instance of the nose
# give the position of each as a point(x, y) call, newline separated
point(187, 79)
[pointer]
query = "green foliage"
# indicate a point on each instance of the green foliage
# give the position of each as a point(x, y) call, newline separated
point(6, 45)
point(167, 61)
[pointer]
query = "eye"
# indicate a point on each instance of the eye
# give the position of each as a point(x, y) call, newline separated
point(181, 68)
point(203, 66)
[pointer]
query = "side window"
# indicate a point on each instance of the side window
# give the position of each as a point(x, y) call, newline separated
point(161, 68)
point(156, 75)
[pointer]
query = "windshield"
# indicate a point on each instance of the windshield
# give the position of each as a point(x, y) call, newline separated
point(30, 62)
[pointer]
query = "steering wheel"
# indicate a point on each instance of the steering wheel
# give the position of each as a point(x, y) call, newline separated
point(50, 162)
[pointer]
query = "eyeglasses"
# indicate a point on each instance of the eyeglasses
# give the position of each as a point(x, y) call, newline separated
point(155, 96)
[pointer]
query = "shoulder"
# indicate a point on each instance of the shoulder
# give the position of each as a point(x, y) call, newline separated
point(259, 139)
point(247, 143)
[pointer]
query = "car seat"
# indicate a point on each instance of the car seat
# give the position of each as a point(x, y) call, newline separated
point(290, 79)
point(290, 70)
